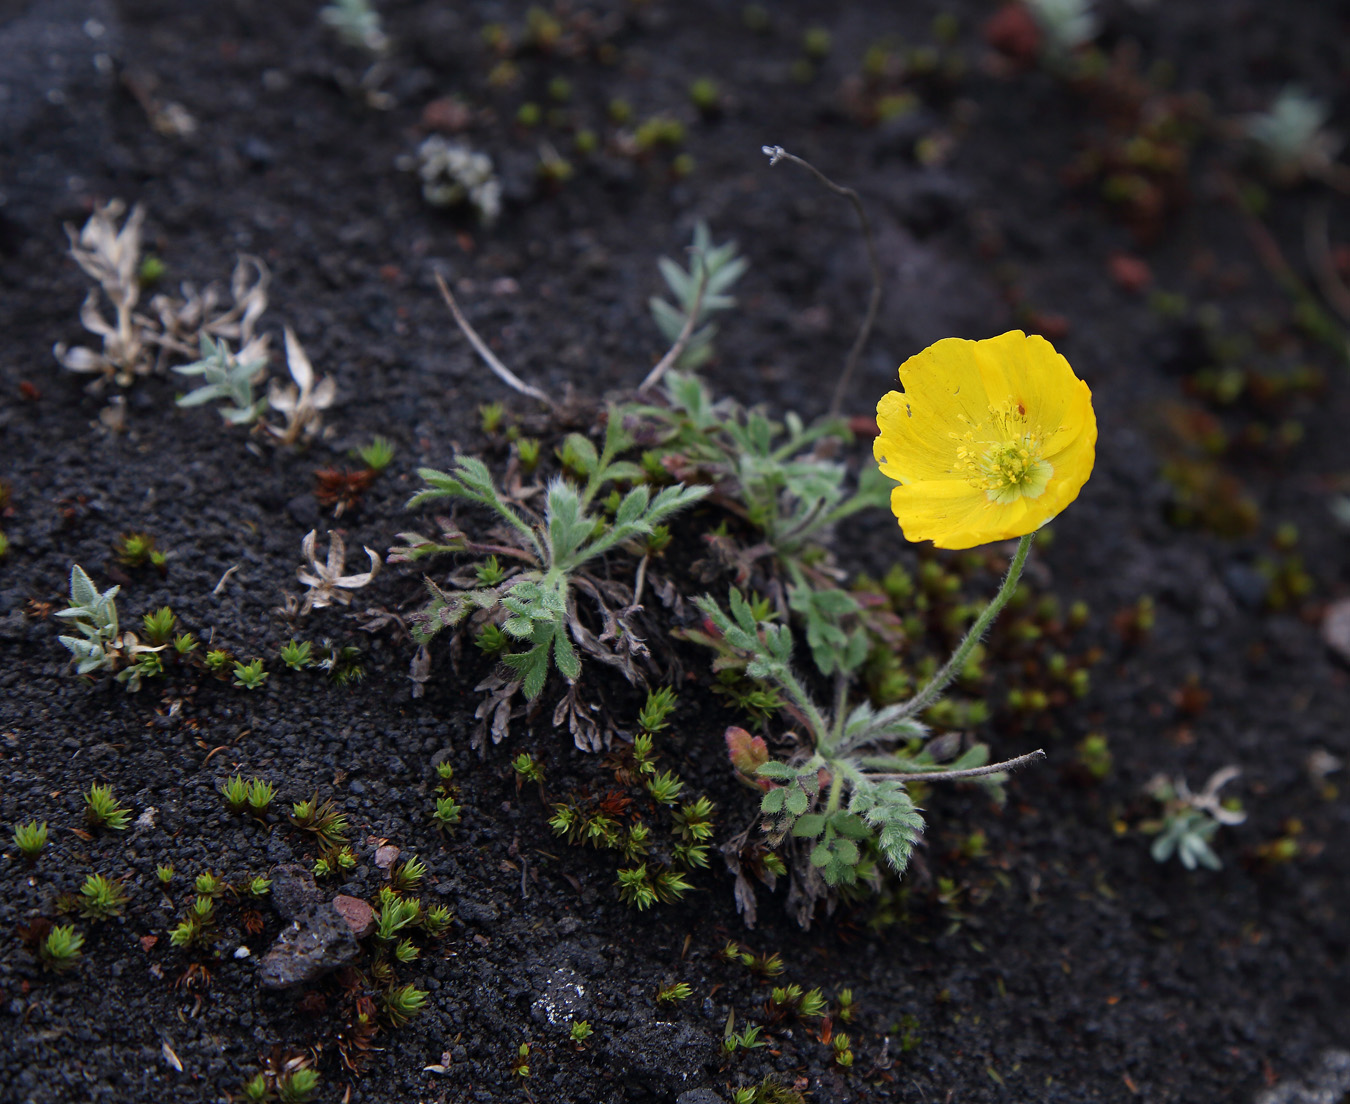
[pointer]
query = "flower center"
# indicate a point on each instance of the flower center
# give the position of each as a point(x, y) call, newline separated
point(1010, 466)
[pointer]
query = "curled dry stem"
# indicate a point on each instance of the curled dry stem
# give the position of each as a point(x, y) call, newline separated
point(778, 153)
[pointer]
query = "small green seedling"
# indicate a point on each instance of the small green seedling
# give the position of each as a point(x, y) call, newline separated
point(673, 994)
point(235, 792)
point(258, 886)
point(407, 876)
point(30, 839)
point(61, 949)
point(1094, 755)
point(749, 1039)
point(490, 418)
point(259, 796)
point(209, 884)
point(102, 810)
point(297, 654)
point(164, 872)
point(520, 1064)
point(665, 787)
point(491, 640)
point(843, 1051)
point(580, 1032)
point(134, 549)
point(448, 814)
point(197, 926)
point(256, 1089)
point(159, 625)
point(321, 818)
point(404, 1002)
point(298, 1086)
point(527, 768)
point(641, 889)
point(527, 451)
point(660, 704)
point(436, 920)
point(844, 1006)
point(793, 1000)
point(705, 95)
point(377, 455)
point(101, 898)
point(217, 659)
point(184, 644)
point(249, 676)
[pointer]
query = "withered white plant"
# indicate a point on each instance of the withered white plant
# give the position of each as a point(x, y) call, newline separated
point(328, 585)
point(111, 256)
point(453, 174)
point(135, 343)
point(185, 318)
point(1291, 136)
point(302, 402)
point(357, 24)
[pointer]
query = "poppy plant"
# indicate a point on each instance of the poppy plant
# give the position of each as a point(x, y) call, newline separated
point(988, 441)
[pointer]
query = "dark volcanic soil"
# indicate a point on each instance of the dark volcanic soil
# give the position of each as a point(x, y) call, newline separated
point(1062, 964)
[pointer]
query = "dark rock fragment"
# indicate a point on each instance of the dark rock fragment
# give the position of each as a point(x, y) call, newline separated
point(318, 940)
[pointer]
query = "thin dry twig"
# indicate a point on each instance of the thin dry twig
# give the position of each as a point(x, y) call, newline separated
point(674, 353)
point(500, 370)
point(1317, 242)
point(778, 153)
point(970, 772)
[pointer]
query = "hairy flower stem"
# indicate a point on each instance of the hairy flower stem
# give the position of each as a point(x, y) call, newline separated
point(966, 772)
point(933, 692)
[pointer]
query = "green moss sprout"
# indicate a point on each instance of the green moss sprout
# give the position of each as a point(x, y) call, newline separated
point(101, 898)
point(30, 839)
point(102, 810)
point(61, 950)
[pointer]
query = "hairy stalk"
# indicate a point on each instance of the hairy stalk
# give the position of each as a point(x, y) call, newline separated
point(500, 370)
point(956, 664)
point(969, 772)
point(778, 153)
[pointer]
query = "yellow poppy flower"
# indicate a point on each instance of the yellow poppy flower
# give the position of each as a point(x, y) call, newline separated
point(989, 440)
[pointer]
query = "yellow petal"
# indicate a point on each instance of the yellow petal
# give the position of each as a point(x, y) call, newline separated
point(956, 515)
point(1027, 373)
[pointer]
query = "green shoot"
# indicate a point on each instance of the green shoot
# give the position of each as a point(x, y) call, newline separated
point(101, 898)
point(249, 676)
point(30, 839)
point(61, 949)
point(377, 455)
point(297, 654)
point(102, 810)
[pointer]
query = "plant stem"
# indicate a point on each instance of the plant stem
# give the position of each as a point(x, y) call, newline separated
point(933, 692)
point(686, 332)
point(968, 772)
